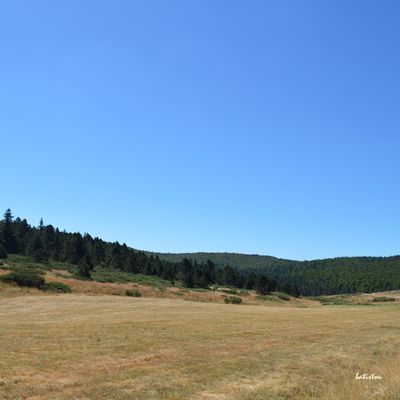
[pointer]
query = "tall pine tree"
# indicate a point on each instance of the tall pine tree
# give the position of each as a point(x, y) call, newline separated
point(8, 237)
point(85, 266)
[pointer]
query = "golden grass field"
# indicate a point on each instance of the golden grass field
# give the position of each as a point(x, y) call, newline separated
point(86, 346)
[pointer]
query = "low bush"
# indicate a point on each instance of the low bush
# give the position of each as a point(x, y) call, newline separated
point(57, 287)
point(282, 296)
point(233, 300)
point(383, 299)
point(133, 293)
point(24, 278)
point(26, 269)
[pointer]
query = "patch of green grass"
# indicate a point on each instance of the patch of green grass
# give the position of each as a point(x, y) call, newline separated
point(153, 280)
point(62, 265)
point(16, 258)
point(335, 301)
point(229, 291)
point(18, 261)
point(21, 262)
point(382, 299)
point(199, 289)
point(342, 300)
point(282, 296)
point(110, 275)
point(56, 287)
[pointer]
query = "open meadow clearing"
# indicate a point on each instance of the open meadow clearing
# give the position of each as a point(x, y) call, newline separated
point(78, 346)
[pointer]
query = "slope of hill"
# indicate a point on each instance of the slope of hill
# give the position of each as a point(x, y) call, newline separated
point(236, 260)
point(316, 277)
point(262, 273)
point(257, 261)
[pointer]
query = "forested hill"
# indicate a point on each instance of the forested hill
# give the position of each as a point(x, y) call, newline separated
point(45, 243)
point(325, 276)
point(256, 261)
point(236, 260)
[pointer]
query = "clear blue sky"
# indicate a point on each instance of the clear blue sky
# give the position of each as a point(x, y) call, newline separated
point(267, 127)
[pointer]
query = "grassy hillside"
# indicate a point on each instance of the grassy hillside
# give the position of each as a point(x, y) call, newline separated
point(48, 244)
point(115, 282)
point(118, 348)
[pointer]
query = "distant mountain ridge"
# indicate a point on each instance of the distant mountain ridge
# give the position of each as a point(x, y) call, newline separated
point(256, 261)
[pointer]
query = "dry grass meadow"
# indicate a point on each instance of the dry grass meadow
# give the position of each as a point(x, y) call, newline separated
point(86, 346)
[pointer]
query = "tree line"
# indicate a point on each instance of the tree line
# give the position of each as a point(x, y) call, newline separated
point(316, 277)
point(340, 275)
point(45, 243)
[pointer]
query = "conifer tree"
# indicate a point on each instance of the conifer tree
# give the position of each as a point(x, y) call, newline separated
point(75, 249)
point(3, 253)
point(263, 285)
point(187, 273)
point(85, 266)
point(250, 280)
point(7, 233)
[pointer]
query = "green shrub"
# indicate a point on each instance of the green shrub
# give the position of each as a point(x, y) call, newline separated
point(24, 278)
point(282, 296)
point(233, 300)
point(383, 299)
point(32, 269)
point(57, 287)
point(26, 269)
point(133, 293)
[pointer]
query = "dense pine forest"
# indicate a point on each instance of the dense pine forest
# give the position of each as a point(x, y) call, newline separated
point(264, 274)
point(317, 277)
